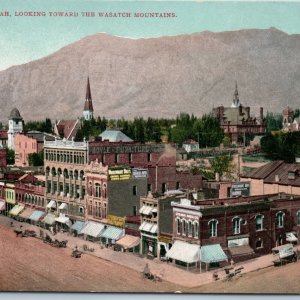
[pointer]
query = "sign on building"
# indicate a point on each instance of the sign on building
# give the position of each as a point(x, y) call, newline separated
point(240, 189)
point(116, 221)
point(119, 174)
point(139, 173)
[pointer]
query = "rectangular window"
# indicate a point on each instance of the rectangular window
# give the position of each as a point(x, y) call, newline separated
point(183, 227)
point(134, 210)
point(196, 230)
point(134, 190)
point(149, 187)
point(190, 231)
point(130, 157)
point(149, 156)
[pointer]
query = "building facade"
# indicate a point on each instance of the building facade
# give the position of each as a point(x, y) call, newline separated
point(64, 163)
point(237, 122)
point(15, 125)
point(245, 227)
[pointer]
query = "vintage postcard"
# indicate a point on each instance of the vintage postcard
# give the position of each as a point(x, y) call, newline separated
point(149, 146)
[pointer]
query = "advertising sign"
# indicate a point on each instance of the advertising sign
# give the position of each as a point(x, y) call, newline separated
point(240, 189)
point(119, 174)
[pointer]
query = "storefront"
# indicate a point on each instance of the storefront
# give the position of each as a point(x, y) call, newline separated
point(49, 220)
point(63, 222)
point(16, 210)
point(36, 217)
point(129, 243)
point(77, 227)
point(111, 234)
point(212, 256)
point(148, 239)
point(91, 231)
point(25, 214)
point(184, 254)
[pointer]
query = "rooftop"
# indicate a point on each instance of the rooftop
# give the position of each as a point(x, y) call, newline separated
point(114, 135)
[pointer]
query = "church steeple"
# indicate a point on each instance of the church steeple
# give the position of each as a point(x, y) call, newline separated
point(88, 104)
point(236, 99)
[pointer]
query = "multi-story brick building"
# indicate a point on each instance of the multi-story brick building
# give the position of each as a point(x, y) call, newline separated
point(237, 122)
point(31, 142)
point(159, 159)
point(3, 157)
point(64, 163)
point(244, 227)
point(156, 222)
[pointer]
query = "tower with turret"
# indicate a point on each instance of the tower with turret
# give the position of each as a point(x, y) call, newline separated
point(88, 104)
point(15, 125)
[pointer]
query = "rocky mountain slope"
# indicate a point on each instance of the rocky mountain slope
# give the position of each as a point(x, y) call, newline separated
point(157, 77)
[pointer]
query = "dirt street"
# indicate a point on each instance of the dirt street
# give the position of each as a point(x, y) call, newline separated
point(28, 264)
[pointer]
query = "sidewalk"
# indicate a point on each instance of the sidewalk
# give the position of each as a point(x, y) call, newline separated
point(167, 272)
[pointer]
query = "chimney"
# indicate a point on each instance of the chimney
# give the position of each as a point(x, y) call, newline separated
point(217, 177)
point(261, 113)
point(277, 179)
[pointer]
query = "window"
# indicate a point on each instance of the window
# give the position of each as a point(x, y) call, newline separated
point(258, 244)
point(116, 158)
point(134, 190)
point(298, 217)
point(183, 227)
point(98, 190)
point(178, 226)
point(90, 189)
point(190, 229)
point(134, 210)
point(259, 222)
point(149, 187)
point(196, 230)
point(213, 224)
point(130, 157)
point(149, 156)
point(163, 187)
point(177, 185)
point(280, 219)
point(236, 225)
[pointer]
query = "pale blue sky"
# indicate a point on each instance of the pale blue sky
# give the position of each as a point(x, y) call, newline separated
point(23, 39)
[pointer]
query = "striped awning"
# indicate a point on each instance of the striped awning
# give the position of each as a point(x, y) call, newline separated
point(2, 205)
point(146, 226)
point(16, 210)
point(63, 219)
point(63, 206)
point(112, 232)
point(212, 253)
point(26, 213)
point(36, 215)
point(128, 241)
point(49, 219)
point(92, 229)
point(77, 226)
point(146, 210)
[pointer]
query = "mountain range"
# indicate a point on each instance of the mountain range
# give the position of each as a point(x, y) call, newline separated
point(157, 77)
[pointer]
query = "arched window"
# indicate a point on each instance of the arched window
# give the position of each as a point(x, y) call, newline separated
point(190, 228)
point(178, 227)
point(59, 172)
point(104, 190)
point(236, 225)
point(213, 227)
point(280, 219)
point(47, 171)
point(98, 190)
point(71, 174)
point(183, 227)
point(66, 174)
point(76, 174)
point(53, 172)
point(259, 222)
point(196, 229)
point(298, 217)
point(82, 175)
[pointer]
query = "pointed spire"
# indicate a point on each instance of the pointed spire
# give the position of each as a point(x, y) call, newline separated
point(88, 90)
point(236, 92)
point(236, 100)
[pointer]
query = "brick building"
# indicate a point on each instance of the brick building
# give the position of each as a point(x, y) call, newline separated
point(244, 227)
point(31, 142)
point(236, 120)
point(156, 222)
point(3, 156)
point(159, 159)
point(274, 177)
point(64, 163)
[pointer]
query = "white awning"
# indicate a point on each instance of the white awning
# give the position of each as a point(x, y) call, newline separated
point(63, 219)
point(147, 226)
point(154, 229)
point(142, 209)
point(51, 204)
point(185, 252)
point(142, 226)
point(63, 206)
point(92, 229)
point(290, 237)
point(154, 210)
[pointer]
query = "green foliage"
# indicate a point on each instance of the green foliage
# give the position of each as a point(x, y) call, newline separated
point(297, 113)
point(10, 158)
point(222, 164)
point(274, 121)
point(42, 126)
point(36, 159)
point(283, 146)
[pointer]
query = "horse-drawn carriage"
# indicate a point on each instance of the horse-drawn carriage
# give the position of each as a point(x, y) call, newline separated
point(55, 243)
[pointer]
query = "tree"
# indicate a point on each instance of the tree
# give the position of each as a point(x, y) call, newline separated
point(222, 164)
point(10, 158)
point(274, 121)
point(36, 159)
